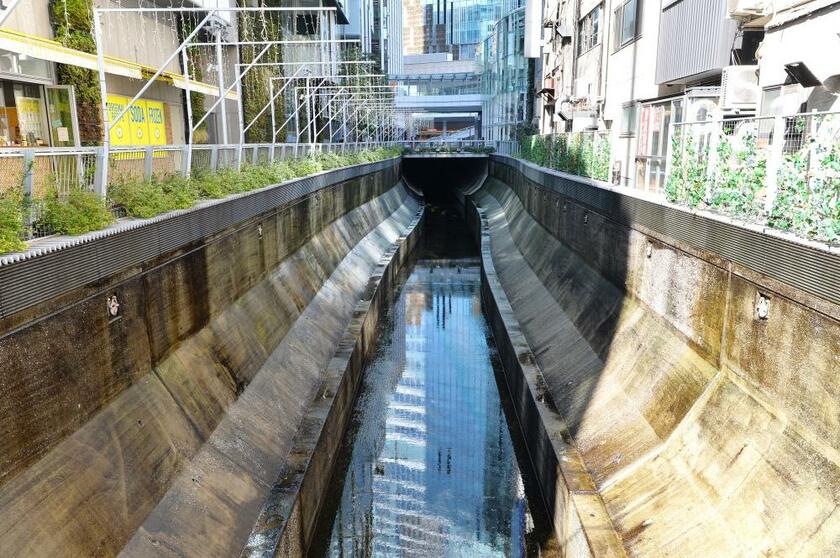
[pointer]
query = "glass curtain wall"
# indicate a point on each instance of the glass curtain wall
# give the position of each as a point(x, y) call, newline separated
point(504, 76)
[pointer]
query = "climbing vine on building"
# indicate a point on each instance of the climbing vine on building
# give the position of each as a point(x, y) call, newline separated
point(584, 154)
point(72, 23)
point(261, 26)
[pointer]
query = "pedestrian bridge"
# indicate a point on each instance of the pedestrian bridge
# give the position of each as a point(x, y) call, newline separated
point(466, 102)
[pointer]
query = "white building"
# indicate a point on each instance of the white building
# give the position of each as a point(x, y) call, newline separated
point(629, 68)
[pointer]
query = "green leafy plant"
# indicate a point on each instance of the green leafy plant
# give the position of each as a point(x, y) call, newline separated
point(576, 153)
point(142, 198)
point(11, 222)
point(809, 205)
point(77, 212)
point(687, 182)
point(737, 186)
point(72, 23)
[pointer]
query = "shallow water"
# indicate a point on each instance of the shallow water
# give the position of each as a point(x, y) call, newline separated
point(428, 466)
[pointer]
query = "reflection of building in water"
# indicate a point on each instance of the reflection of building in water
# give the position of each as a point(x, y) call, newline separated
point(440, 479)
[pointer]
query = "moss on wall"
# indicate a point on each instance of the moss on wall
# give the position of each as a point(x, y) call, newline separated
point(72, 23)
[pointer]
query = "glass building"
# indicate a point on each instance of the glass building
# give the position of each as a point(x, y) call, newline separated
point(504, 77)
point(453, 26)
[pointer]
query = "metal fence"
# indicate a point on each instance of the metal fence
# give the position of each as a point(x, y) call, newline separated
point(38, 171)
point(449, 145)
point(33, 174)
point(782, 171)
point(581, 153)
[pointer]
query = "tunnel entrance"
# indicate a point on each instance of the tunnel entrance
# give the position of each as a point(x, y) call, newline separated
point(439, 178)
point(429, 465)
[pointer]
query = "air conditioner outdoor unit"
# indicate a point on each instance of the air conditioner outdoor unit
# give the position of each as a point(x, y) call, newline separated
point(584, 120)
point(739, 91)
point(746, 9)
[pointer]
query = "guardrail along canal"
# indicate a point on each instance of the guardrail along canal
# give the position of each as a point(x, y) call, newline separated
point(427, 466)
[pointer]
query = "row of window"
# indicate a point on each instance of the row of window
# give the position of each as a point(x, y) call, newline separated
point(625, 26)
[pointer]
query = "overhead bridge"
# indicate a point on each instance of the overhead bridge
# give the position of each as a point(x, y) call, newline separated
point(383, 356)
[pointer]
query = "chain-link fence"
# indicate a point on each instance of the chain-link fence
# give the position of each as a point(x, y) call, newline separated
point(34, 183)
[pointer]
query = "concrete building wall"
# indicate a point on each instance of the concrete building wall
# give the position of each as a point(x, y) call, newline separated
point(143, 38)
point(32, 18)
point(811, 39)
point(630, 77)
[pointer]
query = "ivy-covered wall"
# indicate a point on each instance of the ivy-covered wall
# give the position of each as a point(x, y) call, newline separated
point(261, 26)
point(72, 22)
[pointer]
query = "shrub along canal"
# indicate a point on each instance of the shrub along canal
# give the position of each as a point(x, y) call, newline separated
point(428, 466)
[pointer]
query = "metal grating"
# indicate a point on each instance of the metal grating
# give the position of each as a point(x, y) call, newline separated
point(796, 264)
point(43, 273)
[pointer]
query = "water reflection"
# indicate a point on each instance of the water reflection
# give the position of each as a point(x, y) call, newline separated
point(430, 467)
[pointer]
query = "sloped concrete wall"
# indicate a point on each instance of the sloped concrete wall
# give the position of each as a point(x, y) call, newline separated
point(703, 429)
point(163, 431)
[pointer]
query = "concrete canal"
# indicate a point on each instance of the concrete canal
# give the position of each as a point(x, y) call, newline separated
point(352, 364)
point(428, 467)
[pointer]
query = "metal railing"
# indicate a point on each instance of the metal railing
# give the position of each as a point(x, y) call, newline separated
point(582, 153)
point(779, 171)
point(39, 170)
point(32, 174)
point(448, 145)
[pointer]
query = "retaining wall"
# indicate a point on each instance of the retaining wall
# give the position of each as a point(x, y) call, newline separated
point(665, 414)
point(167, 428)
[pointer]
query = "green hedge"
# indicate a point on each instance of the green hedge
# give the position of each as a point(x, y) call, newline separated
point(575, 153)
point(77, 212)
point(80, 211)
point(141, 198)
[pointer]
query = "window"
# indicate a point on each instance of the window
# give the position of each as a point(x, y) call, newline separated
point(628, 119)
point(306, 24)
point(588, 30)
point(626, 23)
point(652, 145)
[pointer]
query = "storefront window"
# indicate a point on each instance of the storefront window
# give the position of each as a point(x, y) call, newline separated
point(24, 119)
point(60, 104)
point(33, 115)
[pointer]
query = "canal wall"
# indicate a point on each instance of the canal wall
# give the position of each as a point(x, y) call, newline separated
point(675, 375)
point(171, 426)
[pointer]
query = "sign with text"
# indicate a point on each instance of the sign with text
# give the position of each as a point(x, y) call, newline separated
point(143, 124)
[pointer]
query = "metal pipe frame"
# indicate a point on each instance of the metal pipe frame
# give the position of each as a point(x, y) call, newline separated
point(216, 9)
point(309, 97)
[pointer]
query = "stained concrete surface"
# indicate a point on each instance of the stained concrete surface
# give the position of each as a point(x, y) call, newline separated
point(663, 416)
point(704, 430)
point(224, 346)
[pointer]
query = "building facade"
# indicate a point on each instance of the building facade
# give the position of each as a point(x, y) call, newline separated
point(504, 77)
point(378, 25)
point(628, 69)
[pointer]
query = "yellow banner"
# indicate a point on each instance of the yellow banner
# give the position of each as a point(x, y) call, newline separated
point(137, 122)
point(143, 124)
point(157, 123)
point(120, 131)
